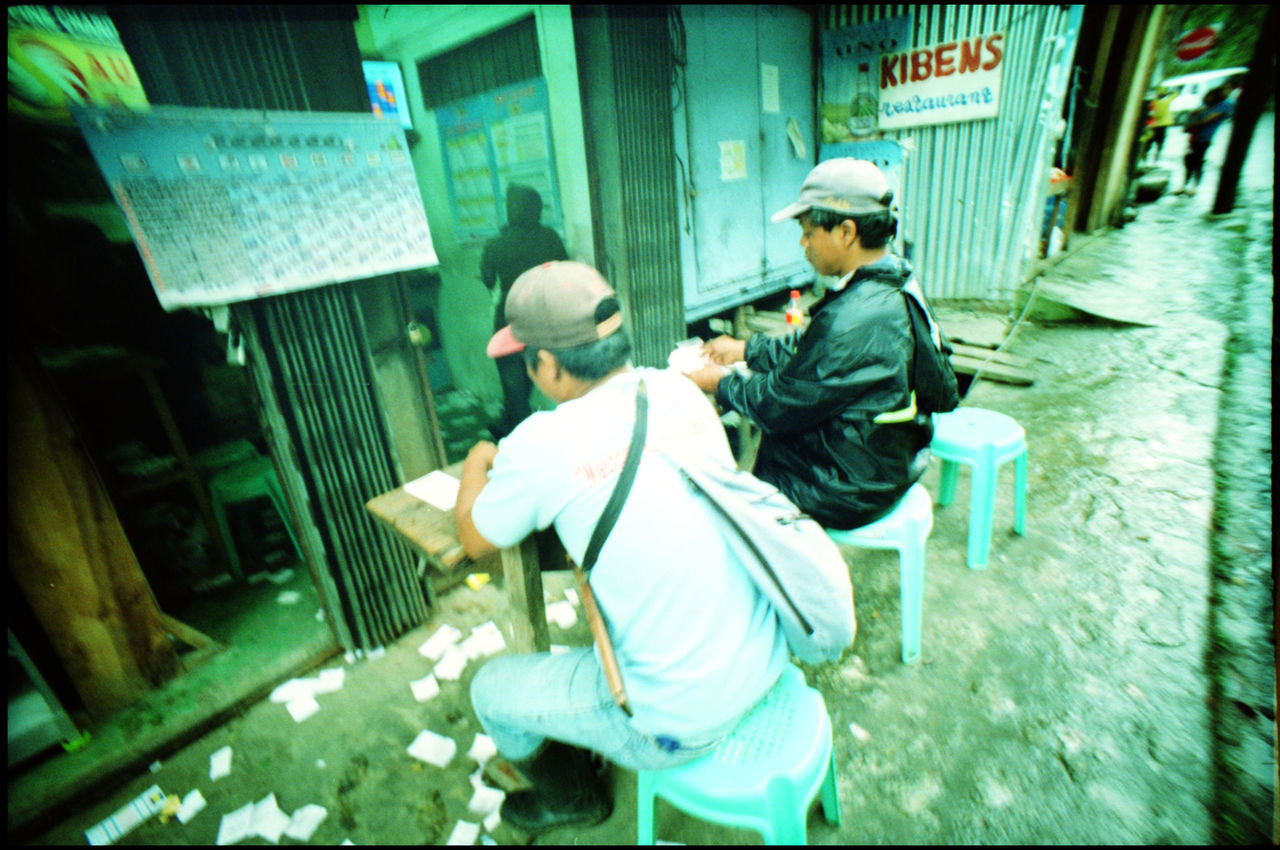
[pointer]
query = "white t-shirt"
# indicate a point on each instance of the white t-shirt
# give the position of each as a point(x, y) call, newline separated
point(696, 642)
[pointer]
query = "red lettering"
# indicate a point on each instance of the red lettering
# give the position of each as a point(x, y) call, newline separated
point(971, 55)
point(993, 47)
point(943, 62)
point(123, 71)
point(887, 79)
point(902, 66)
point(921, 65)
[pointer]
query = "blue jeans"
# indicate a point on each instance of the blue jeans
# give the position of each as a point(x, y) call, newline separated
point(521, 700)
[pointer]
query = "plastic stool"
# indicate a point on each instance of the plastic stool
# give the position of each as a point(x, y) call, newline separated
point(763, 777)
point(905, 528)
point(249, 479)
point(983, 439)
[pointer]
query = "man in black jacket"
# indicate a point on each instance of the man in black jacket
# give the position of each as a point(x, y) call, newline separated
point(842, 437)
point(522, 244)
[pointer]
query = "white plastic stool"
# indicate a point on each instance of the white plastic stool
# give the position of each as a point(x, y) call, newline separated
point(905, 528)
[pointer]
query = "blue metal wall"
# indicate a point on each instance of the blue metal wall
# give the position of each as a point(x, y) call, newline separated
point(974, 192)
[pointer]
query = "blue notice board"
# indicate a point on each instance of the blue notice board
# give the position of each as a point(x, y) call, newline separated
point(490, 141)
point(231, 205)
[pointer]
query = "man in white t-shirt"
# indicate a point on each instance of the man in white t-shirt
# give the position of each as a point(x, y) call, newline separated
point(697, 645)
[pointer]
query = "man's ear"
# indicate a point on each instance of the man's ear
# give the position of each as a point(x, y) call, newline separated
point(548, 358)
point(849, 232)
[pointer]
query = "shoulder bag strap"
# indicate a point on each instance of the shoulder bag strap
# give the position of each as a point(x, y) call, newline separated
point(605, 524)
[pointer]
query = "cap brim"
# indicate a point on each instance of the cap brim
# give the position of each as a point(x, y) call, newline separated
point(792, 211)
point(504, 343)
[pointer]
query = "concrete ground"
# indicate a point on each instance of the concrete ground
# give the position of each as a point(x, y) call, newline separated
point(1064, 693)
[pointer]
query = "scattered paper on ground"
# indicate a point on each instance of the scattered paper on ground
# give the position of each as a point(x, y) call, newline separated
point(281, 576)
point(558, 649)
point(571, 595)
point(858, 732)
point(268, 821)
point(289, 597)
point(191, 805)
point(485, 800)
point(482, 748)
point(436, 488)
point(330, 680)
point(451, 664)
point(492, 821)
point(485, 639)
point(220, 763)
point(464, 833)
point(445, 637)
point(236, 826)
point(425, 688)
point(305, 821)
point(432, 748)
point(562, 614)
point(475, 581)
point(302, 707)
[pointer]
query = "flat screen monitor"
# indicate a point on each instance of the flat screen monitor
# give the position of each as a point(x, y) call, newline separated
point(387, 95)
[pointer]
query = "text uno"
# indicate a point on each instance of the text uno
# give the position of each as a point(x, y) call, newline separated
point(954, 57)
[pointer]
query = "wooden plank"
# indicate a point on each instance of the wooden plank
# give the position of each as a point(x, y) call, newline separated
point(71, 558)
point(191, 637)
point(1001, 357)
point(426, 526)
point(991, 371)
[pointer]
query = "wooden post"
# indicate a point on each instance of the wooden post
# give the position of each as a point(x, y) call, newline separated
point(69, 555)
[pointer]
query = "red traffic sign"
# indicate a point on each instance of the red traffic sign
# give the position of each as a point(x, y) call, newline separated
point(1196, 43)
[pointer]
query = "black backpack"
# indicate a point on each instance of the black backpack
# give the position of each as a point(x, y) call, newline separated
point(932, 378)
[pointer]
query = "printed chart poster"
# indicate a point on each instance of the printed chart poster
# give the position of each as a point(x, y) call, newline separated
point(490, 141)
point(943, 83)
point(851, 75)
point(231, 205)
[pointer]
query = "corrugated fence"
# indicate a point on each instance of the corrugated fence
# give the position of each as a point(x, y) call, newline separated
point(974, 192)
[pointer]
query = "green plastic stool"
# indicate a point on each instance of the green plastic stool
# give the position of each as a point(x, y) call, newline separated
point(246, 480)
point(983, 440)
point(763, 777)
point(905, 528)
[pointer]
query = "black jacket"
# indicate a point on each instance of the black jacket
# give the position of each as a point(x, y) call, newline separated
point(522, 244)
point(815, 392)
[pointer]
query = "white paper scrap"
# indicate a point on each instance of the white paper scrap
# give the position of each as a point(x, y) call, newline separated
point(376, 652)
point(432, 748)
point(302, 707)
point(571, 595)
point(492, 821)
point(305, 821)
point(280, 576)
point(268, 820)
point(559, 649)
point(220, 763)
point(236, 826)
point(436, 488)
point(293, 689)
point(191, 806)
point(485, 639)
point(445, 637)
point(464, 833)
point(289, 597)
point(485, 800)
point(137, 810)
point(562, 614)
point(425, 688)
point(452, 664)
point(330, 680)
point(858, 732)
point(482, 748)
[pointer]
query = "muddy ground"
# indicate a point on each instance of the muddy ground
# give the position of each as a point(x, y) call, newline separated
point(1081, 689)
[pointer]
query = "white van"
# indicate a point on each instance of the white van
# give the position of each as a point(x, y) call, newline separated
point(1191, 88)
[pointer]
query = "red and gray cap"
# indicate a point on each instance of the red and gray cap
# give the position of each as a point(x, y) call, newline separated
point(557, 305)
point(842, 185)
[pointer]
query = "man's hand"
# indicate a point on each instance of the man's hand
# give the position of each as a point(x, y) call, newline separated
point(725, 350)
point(707, 378)
point(473, 477)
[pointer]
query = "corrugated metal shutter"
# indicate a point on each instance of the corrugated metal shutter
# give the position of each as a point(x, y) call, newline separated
point(501, 58)
point(974, 191)
point(308, 351)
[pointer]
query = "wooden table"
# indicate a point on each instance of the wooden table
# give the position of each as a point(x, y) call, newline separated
point(432, 532)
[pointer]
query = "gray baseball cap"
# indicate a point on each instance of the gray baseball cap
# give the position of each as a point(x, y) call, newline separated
point(556, 305)
point(842, 185)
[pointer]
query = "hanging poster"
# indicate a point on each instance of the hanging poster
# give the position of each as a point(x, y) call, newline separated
point(851, 75)
point(230, 205)
point(943, 83)
point(490, 141)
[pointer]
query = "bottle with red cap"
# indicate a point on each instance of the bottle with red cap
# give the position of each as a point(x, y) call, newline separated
point(795, 312)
